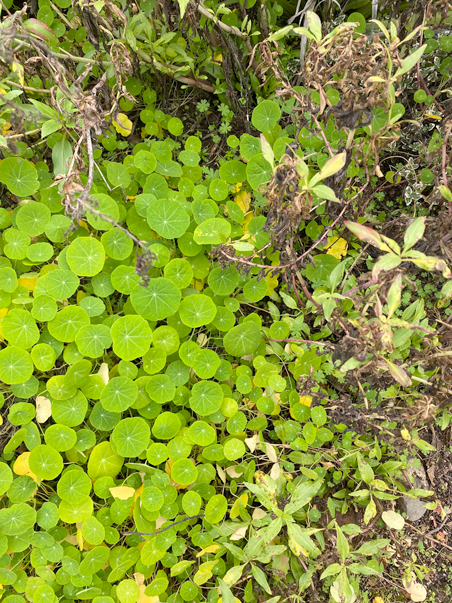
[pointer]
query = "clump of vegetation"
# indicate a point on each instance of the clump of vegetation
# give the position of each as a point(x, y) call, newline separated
point(225, 302)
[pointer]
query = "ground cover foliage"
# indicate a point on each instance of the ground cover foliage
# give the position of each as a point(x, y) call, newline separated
point(225, 297)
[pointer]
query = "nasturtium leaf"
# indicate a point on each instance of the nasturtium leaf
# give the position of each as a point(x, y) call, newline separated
point(151, 553)
point(178, 373)
point(62, 284)
point(168, 218)
point(21, 413)
point(43, 356)
point(223, 281)
point(16, 365)
point(152, 498)
point(117, 174)
point(206, 398)
point(213, 231)
point(249, 146)
point(45, 462)
point(184, 472)
point(124, 279)
point(179, 272)
point(243, 339)
point(206, 363)
point(19, 328)
point(117, 244)
point(166, 426)
point(74, 486)
point(218, 189)
point(233, 171)
point(104, 461)
point(16, 519)
point(160, 389)
point(85, 256)
point(93, 531)
point(216, 508)
point(93, 306)
point(94, 561)
point(201, 433)
point(234, 449)
point(60, 437)
point(258, 171)
point(92, 340)
point(38, 253)
point(254, 290)
point(17, 244)
point(167, 339)
point(161, 255)
point(67, 323)
point(32, 218)
point(145, 161)
point(266, 115)
point(131, 436)
point(70, 411)
point(6, 478)
point(154, 360)
point(106, 206)
point(160, 299)
point(131, 336)
point(191, 503)
point(119, 394)
point(224, 320)
point(8, 279)
point(71, 512)
point(128, 591)
point(19, 175)
point(197, 310)
point(157, 453)
point(44, 308)
point(47, 516)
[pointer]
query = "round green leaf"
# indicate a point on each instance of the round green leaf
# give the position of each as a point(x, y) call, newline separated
point(233, 172)
point(197, 310)
point(258, 171)
point(45, 462)
point(166, 426)
point(6, 478)
point(201, 433)
point(243, 339)
point(266, 115)
point(131, 437)
point(216, 508)
point(16, 519)
point(85, 256)
point(104, 461)
point(62, 284)
point(179, 272)
point(119, 394)
point(19, 328)
point(67, 323)
point(74, 486)
point(16, 365)
point(168, 218)
point(214, 231)
point(234, 449)
point(19, 175)
point(206, 398)
point(184, 472)
point(160, 299)
point(131, 336)
point(92, 340)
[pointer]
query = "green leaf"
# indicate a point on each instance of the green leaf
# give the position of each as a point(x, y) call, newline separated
point(266, 115)
point(216, 508)
point(19, 176)
point(410, 61)
point(243, 339)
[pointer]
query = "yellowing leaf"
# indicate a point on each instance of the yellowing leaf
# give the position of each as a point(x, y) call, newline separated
point(19, 69)
point(205, 572)
point(239, 533)
point(243, 200)
point(198, 285)
point(378, 600)
point(103, 372)
point(220, 600)
point(213, 548)
point(83, 224)
point(43, 409)
point(393, 520)
point(28, 282)
point(123, 125)
point(272, 283)
point(235, 509)
point(138, 491)
point(3, 312)
point(80, 295)
point(249, 216)
point(79, 538)
point(405, 434)
point(306, 400)
point(218, 58)
point(122, 492)
point(6, 128)
point(20, 466)
point(337, 247)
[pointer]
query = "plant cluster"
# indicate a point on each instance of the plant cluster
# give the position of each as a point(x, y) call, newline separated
point(195, 342)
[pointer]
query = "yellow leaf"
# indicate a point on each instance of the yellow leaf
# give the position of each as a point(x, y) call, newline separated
point(213, 548)
point(405, 434)
point(104, 373)
point(83, 224)
point(3, 312)
point(237, 188)
point(296, 548)
point(6, 128)
point(21, 466)
point(337, 247)
point(249, 216)
point(306, 400)
point(2, 90)
point(218, 58)
point(378, 600)
point(198, 285)
point(243, 200)
point(220, 600)
point(1, 420)
point(28, 282)
point(123, 125)
point(272, 283)
point(80, 295)
point(235, 509)
point(138, 491)
point(122, 492)
point(43, 409)
point(79, 538)
point(19, 69)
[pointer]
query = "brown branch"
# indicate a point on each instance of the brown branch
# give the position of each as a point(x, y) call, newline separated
point(164, 529)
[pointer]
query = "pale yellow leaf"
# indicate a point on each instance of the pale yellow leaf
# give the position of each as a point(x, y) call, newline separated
point(79, 539)
point(43, 409)
point(213, 548)
point(243, 200)
point(232, 472)
point(393, 520)
point(103, 372)
point(21, 466)
point(19, 69)
point(337, 247)
point(122, 492)
point(259, 513)
point(275, 471)
point(271, 453)
point(221, 474)
point(123, 125)
point(252, 442)
point(235, 509)
point(239, 533)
